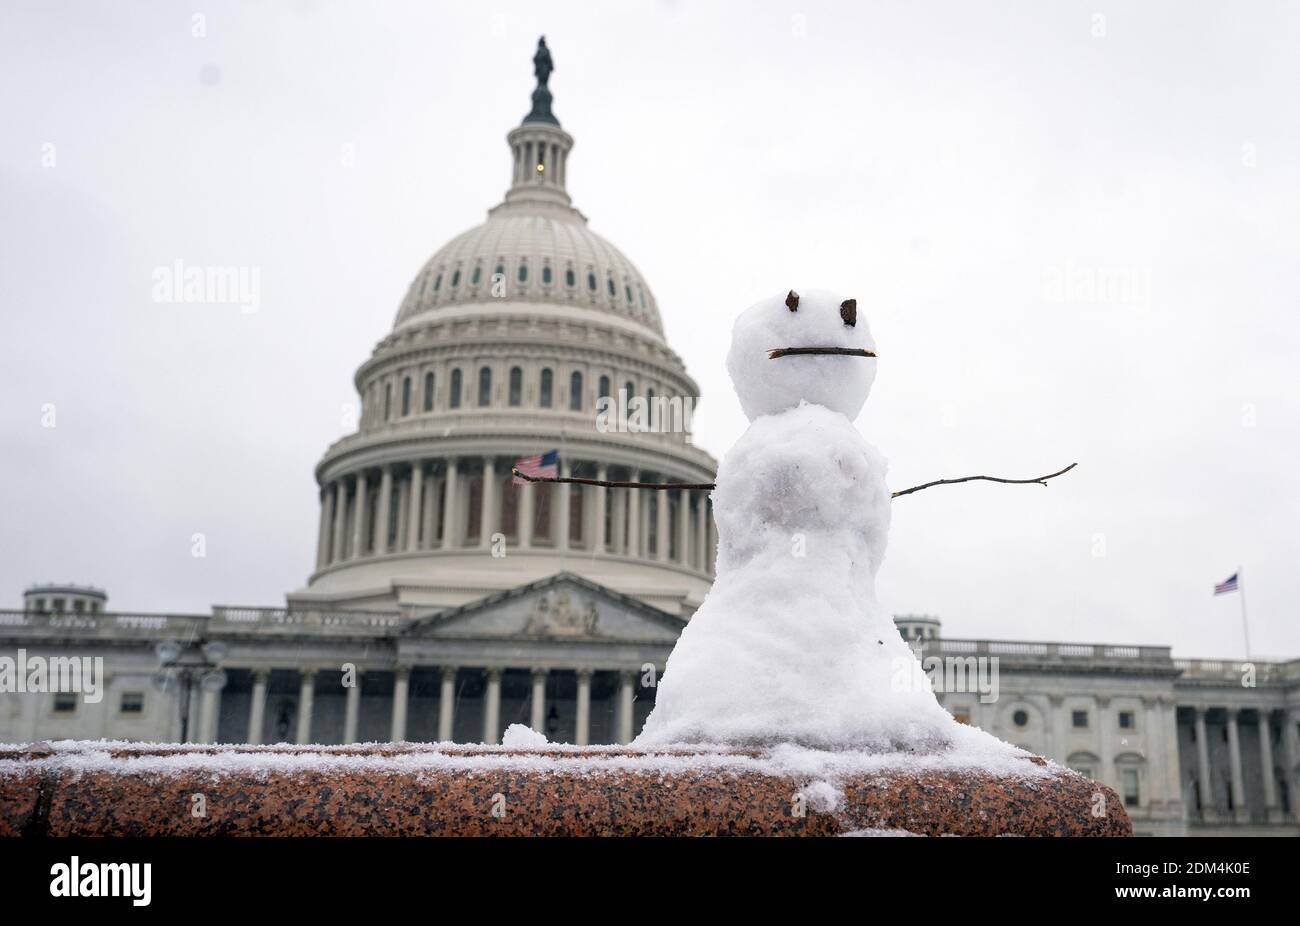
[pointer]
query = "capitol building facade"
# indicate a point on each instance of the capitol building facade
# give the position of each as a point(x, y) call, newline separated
point(447, 602)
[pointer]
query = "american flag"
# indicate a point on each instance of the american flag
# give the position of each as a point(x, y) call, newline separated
point(1227, 585)
point(544, 464)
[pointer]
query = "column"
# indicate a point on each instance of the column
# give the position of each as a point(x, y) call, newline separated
point(451, 506)
point(634, 516)
point(582, 731)
point(385, 503)
point(683, 527)
point(1056, 706)
point(403, 509)
point(618, 542)
point(257, 706)
point(626, 679)
point(340, 518)
point(645, 499)
point(359, 536)
point(326, 525)
point(598, 539)
point(524, 515)
point(209, 706)
point(488, 521)
point(401, 697)
point(1203, 781)
point(562, 496)
point(492, 707)
point(537, 717)
point(413, 518)
point(1239, 810)
point(1153, 739)
point(1173, 762)
point(446, 704)
point(702, 532)
point(1291, 757)
point(432, 511)
point(352, 711)
point(1272, 810)
point(1105, 775)
point(306, 691)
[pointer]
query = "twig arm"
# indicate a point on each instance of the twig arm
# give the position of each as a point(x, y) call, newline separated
point(1037, 480)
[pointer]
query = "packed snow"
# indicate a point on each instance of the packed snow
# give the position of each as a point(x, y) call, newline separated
point(518, 736)
point(791, 645)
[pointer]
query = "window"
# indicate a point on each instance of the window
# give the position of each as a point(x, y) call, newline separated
point(406, 396)
point(428, 392)
point(1129, 783)
point(501, 272)
point(453, 398)
point(484, 387)
point(569, 279)
point(628, 291)
point(132, 702)
point(611, 286)
point(516, 385)
point(455, 279)
point(591, 282)
point(437, 282)
point(478, 275)
point(604, 387)
point(548, 388)
point(575, 392)
point(1079, 719)
point(1126, 720)
point(65, 702)
point(58, 605)
point(1020, 718)
point(78, 605)
point(546, 274)
point(628, 392)
point(523, 273)
point(388, 401)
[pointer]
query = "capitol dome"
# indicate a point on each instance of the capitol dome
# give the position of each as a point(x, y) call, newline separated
point(509, 340)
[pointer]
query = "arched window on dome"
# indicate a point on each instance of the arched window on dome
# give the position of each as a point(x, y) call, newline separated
point(641, 293)
point(428, 392)
point(500, 273)
point(612, 290)
point(546, 274)
point(523, 273)
point(453, 397)
point(548, 388)
point(575, 392)
point(455, 279)
point(591, 282)
point(406, 396)
point(485, 387)
point(516, 386)
point(604, 387)
point(569, 279)
point(437, 282)
point(388, 401)
point(652, 419)
point(477, 275)
point(626, 398)
point(627, 290)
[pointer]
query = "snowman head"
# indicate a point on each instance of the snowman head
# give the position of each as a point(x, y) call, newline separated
point(802, 347)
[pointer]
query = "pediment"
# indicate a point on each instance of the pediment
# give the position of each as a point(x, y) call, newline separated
point(563, 607)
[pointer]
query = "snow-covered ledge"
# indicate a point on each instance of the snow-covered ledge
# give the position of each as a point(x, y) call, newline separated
point(115, 788)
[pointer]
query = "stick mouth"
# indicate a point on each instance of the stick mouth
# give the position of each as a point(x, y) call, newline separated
point(833, 351)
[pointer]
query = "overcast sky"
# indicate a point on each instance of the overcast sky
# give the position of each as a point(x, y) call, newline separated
point(1073, 227)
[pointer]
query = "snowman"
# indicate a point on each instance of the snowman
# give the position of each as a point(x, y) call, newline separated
point(791, 645)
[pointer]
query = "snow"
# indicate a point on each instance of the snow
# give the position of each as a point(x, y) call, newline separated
point(519, 736)
point(791, 645)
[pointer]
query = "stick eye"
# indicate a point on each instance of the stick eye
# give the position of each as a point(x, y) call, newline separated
point(849, 312)
point(792, 301)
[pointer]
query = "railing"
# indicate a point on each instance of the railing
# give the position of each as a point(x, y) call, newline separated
point(1054, 652)
point(244, 619)
point(102, 624)
point(1237, 671)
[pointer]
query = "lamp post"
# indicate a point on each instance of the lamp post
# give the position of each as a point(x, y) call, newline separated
point(185, 661)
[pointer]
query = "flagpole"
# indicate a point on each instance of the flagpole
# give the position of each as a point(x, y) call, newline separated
point(1245, 627)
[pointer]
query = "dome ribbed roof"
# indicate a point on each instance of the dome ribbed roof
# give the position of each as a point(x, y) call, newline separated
point(565, 263)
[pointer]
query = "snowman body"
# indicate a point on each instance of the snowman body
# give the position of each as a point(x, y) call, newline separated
point(791, 645)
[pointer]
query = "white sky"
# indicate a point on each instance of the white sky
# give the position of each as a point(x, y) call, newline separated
point(946, 163)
